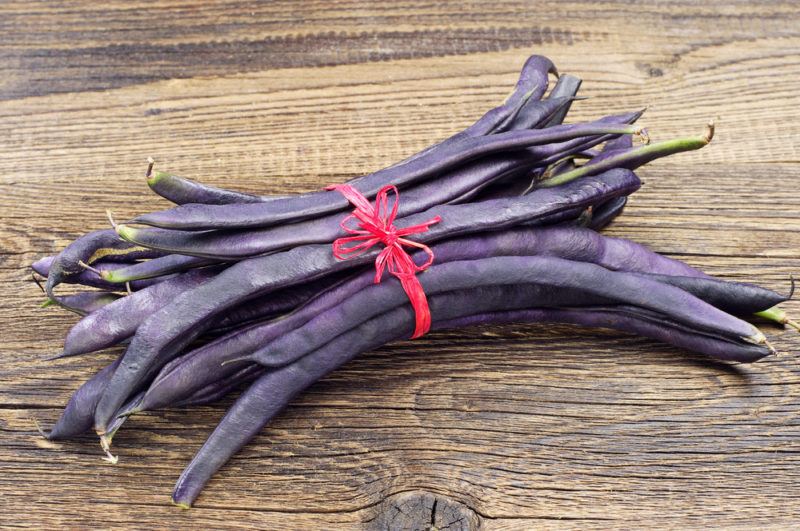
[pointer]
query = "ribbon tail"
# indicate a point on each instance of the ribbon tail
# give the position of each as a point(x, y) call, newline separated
point(422, 312)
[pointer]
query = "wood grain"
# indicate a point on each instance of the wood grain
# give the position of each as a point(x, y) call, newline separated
point(500, 428)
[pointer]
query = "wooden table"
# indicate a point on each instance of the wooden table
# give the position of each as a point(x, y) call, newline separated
point(516, 427)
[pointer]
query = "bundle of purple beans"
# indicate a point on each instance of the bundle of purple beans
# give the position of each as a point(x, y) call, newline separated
point(231, 291)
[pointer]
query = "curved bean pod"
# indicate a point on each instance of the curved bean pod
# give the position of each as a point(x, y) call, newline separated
point(626, 319)
point(161, 336)
point(119, 320)
point(533, 78)
point(155, 268)
point(100, 272)
point(89, 248)
point(296, 208)
point(78, 415)
point(592, 284)
point(198, 368)
point(181, 191)
point(567, 86)
point(634, 157)
point(234, 245)
point(85, 302)
point(273, 391)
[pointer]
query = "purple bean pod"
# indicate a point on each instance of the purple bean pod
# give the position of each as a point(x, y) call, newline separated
point(591, 284)
point(119, 320)
point(181, 191)
point(84, 302)
point(198, 368)
point(273, 391)
point(314, 204)
point(165, 333)
point(141, 273)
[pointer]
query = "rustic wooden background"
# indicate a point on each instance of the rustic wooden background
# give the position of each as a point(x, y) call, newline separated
point(506, 428)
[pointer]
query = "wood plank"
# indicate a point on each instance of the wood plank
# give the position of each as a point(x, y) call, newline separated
point(506, 427)
point(72, 47)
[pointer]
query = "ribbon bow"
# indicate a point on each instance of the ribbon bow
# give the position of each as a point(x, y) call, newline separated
point(376, 225)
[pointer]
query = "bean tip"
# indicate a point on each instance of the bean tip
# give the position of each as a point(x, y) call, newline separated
point(794, 324)
point(642, 133)
point(125, 232)
point(150, 163)
point(709, 132)
point(105, 444)
point(40, 430)
point(129, 412)
point(756, 339)
point(772, 349)
point(55, 356)
point(110, 216)
point(38, 282)
point(181, 505)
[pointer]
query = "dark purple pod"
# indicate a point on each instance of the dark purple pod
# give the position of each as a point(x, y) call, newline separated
point(602, 215)
point(198, 368)
point(296, 208)
point(737, 298)
point(452, 187)
point(626, 319)
point(142, 272)
point(181, 191)
point(98, 274)
point(567, 86)
point(87, 249)
point(222, 387)
point(85, 302)
point(532, 79)
point(78, 415)
point(279, 303)
point(42, 266)
point(165, 333)
point(591, 284)
point(273, 391)
point(535, 113)
point(118, 321)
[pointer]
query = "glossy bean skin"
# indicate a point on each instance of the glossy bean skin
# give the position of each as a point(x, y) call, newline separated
point(199, 368)
point(89, 248)
point(567, 86)
point(591, 284)
point(455, 187)
point(315, 204)
point(628, 319)
point(235, 245)
point(158, 267)
point(181, 191)
point(274, 390)
point(165, 333)
point(85, 302)
point(119, 320)
point(737, 298)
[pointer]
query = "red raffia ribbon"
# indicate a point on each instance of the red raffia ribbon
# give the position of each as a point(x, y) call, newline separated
point(376, 225)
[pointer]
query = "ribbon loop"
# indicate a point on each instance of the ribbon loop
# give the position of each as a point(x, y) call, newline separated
point(376, 225)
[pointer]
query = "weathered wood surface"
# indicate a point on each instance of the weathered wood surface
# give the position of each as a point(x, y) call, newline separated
point(505, 428)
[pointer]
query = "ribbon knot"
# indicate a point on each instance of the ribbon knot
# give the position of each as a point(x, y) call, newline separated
point(375, 225)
